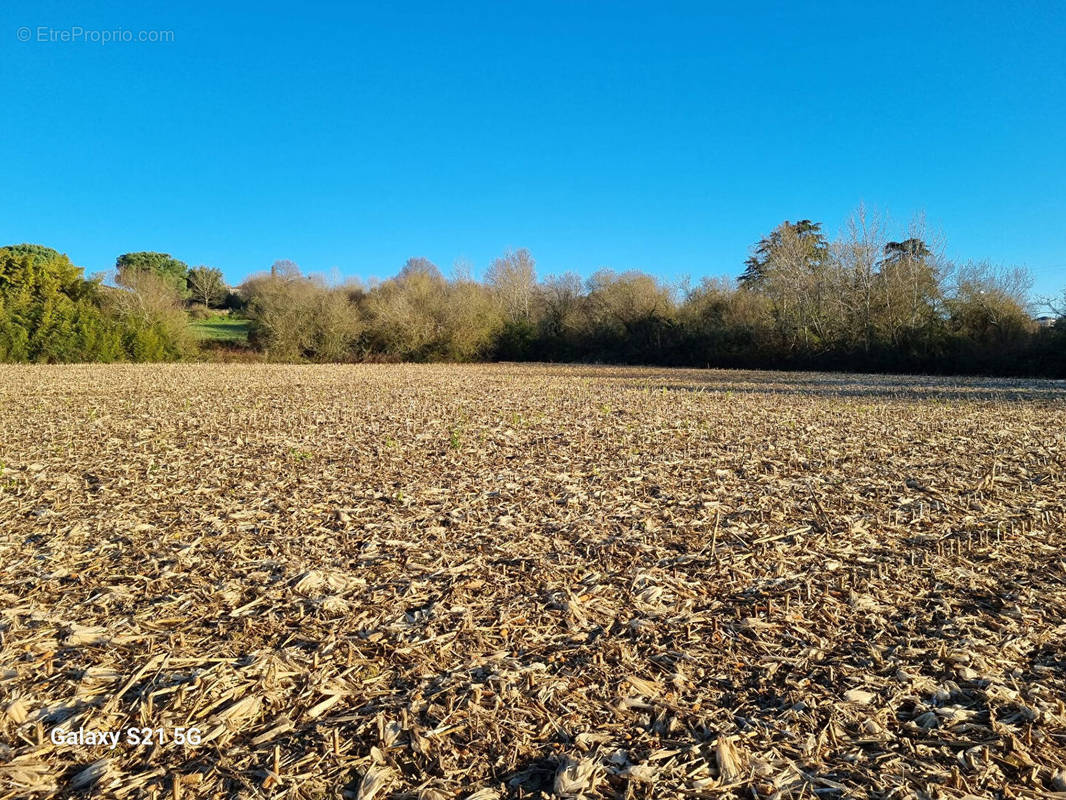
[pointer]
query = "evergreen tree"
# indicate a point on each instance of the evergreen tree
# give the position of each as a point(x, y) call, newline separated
point(163, 264)
point(761, 261)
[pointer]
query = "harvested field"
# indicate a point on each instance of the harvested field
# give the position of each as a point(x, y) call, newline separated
point(529, 581)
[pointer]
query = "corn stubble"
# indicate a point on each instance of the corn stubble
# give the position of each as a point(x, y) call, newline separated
point(499, 581)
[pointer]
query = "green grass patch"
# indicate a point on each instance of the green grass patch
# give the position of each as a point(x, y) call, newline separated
point(222, 329)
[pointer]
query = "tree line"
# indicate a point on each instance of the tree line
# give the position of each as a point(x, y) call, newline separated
point(862, 301)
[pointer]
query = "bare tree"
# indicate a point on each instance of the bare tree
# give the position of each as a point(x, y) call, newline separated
point(145, 295)
point(562, 298)
point(856, 256)
point(336, 324)
point(990, 305)
point(623, 300)
point(513, 278)
point(462, 271)
point(1056, 306)
point(472, 320)
point(298, 317)
point(283, 268)
point(791, 267)
point(909, 280)
point(206, 285)
point(419, 268)
point(151, 299)
point(419, 316)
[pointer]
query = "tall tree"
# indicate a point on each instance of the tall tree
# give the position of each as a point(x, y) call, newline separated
point(164, 265)
point(285, 269)
point(909, 292)
point(513, 278)
point(856, 258)
point(989, 305)
point(815, 248)
point(909, 248)
point(419, 268)
point(563, 297)
point(789, 267)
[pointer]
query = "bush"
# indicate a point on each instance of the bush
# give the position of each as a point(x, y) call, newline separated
point(295, 317)
point(50, 313)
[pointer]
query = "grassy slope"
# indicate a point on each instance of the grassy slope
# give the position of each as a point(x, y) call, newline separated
point(232, 330)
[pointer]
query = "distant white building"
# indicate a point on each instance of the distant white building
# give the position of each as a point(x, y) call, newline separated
point(1045, 322)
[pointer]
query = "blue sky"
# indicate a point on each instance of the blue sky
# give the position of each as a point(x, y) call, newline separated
point(660, 136)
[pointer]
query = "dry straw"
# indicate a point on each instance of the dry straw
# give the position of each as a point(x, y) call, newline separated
point(485, 582)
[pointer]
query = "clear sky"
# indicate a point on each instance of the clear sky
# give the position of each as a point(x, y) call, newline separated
point(662, 136)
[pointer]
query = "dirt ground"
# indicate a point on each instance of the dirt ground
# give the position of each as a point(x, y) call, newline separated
point(529, 581)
